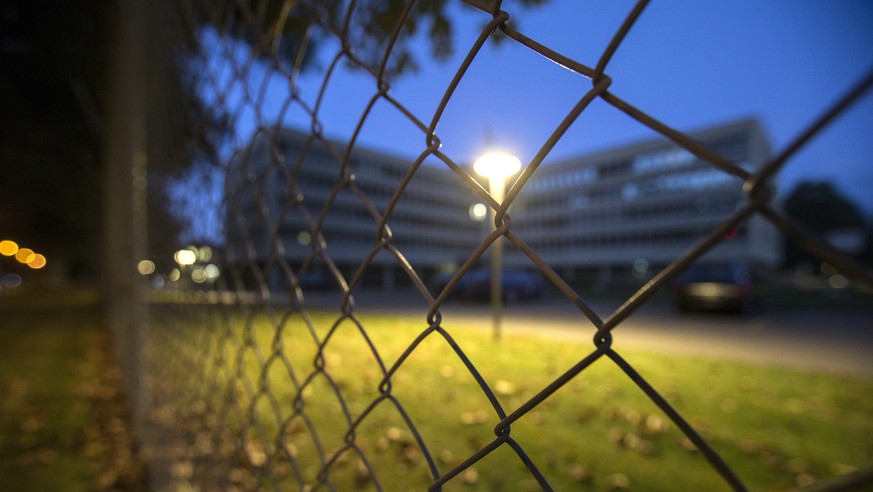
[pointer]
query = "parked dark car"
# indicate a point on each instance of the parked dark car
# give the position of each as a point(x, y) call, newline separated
point(726, 286)
point(476, 285)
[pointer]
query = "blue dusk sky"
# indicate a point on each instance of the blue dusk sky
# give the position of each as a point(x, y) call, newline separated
point(690, 64)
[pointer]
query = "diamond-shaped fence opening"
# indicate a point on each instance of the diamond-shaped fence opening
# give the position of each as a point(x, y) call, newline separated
point(275, 369)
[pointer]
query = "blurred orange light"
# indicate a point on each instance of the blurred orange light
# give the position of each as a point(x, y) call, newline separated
point(37, 262)
point(25, 255)
point(8, 248)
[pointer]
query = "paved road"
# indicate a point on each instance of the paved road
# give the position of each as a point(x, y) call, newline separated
point(839, 342)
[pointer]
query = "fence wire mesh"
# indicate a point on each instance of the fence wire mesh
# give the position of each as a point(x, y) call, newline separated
point(256, 380)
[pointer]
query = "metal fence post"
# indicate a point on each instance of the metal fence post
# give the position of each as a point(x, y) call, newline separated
point(125, 197)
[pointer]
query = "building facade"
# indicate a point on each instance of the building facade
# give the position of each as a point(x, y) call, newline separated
point(633, 209)
point(286, 186)
point(613, 216)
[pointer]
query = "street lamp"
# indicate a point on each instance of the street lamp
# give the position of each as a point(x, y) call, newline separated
point(496, 166)
point(185, 257)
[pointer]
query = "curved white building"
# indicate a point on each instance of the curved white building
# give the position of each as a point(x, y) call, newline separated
point(633, 209)
point(610, 216)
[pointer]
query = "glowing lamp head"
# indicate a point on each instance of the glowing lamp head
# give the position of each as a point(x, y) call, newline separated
point(497, 165)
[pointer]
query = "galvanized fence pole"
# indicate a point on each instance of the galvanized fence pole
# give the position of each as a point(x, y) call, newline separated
point(125, 196)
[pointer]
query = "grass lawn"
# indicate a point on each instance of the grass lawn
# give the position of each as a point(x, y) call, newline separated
point(62, 421)
point(777, 428)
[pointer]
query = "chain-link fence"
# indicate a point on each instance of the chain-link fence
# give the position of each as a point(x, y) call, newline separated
point(264, 366)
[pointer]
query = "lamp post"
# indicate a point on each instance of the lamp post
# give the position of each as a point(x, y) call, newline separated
point(496, 166)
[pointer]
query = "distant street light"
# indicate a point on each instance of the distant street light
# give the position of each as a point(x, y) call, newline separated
point(496, 166)
point(185, 257)
point(25, 255)
point(8, 248)
point(37, 261)
point(478, 211)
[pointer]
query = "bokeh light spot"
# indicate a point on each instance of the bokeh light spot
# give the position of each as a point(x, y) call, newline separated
point(25, 255)
point(38, 261)
point(185, 257)
point(198, 276)
point(204, 254)
point(478, 211)
point(641, 266)
point(8, 248)
point(212, 271)
point(10, 280)
point(838, 281)
point(146, 267)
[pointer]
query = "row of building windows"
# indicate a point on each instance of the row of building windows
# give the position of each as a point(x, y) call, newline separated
point(568, 179)
point(629, 215)
point(658, 161)
point(693, 180)
point(340, 239)
point(678, 237)
point(662, 159)
point(686, 208)
point(426, 195)
point(445, 215)
point(301, 239)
